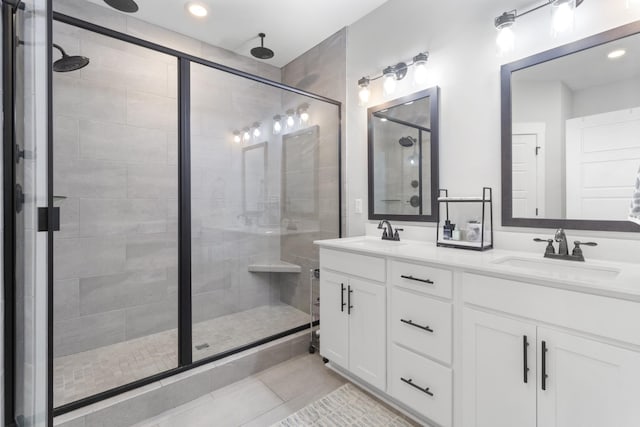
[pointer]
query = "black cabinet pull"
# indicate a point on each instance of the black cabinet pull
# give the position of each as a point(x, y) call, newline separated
point(349, 306)
point(410, 322)
point(417, 279)
point(544, 365)
point(410, 382)
point(342, 303)
point(525, 346)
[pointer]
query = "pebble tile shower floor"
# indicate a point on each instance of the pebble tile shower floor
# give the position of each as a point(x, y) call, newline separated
point(84, 374)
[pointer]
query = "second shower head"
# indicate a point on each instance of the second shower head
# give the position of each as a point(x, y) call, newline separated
point(69, 63)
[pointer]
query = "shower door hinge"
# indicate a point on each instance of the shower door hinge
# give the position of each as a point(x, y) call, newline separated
point(43, 219)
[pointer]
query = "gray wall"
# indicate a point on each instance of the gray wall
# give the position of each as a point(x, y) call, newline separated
point(321, 70)
point(115, 157)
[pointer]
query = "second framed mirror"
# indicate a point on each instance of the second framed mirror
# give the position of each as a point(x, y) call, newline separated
point(403, 158)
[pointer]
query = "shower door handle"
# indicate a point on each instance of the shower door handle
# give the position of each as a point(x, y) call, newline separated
point(342, 303)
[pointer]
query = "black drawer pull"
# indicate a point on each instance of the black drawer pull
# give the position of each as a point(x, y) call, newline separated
point(544, 375)
point(349, 306)
point(417, 279)
point(342, 303)
point(410, 322)
point(525, 346)
point(410, 382)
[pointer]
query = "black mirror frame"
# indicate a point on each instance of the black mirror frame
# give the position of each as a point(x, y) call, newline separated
point(433, 94)
point(505, 86)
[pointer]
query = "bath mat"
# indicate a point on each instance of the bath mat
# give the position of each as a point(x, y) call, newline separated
point(346, 406)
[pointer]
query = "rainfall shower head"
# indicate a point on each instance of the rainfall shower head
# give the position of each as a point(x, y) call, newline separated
point(262, 52)
point(128, 6)
point(407, 141)
point(69, 63)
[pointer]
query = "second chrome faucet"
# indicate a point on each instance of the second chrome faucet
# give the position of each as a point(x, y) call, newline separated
point(563, 247)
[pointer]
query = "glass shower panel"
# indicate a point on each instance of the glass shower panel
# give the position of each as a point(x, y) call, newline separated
point(264, 176)
point(115, 181)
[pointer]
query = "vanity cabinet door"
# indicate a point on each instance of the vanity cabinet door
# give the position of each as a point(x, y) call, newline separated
point(497, 390)
point(588, 383)
point(334, 328)
point(367, 338)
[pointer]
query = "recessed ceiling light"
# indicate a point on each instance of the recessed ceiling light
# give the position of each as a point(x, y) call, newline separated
point(616, 53)
point(197, 9)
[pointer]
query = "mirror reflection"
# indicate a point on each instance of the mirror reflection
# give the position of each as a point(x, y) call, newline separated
point(575, 127)
point(401, 161)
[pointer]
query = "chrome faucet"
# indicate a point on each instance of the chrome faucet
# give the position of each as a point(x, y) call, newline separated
point(388, 233)
point(563, 249)
point(561, 238)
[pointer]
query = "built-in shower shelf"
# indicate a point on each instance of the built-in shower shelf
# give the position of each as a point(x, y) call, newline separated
point(274, 267)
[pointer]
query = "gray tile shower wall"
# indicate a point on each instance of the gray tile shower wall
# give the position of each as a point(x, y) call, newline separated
point(115, 151)
point(321, 70)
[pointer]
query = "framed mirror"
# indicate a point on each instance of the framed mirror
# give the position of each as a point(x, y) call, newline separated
point(403, 158)
point(254, 168)
point(570, 134)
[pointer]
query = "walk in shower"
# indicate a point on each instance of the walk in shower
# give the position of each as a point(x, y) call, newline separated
point(190, 195)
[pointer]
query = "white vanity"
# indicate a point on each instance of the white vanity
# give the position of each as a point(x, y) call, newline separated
point(499, 338)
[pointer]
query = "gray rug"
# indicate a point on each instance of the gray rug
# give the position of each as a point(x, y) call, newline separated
point(346, 406)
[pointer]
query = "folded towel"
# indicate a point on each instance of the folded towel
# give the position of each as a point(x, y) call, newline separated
point(634, 210)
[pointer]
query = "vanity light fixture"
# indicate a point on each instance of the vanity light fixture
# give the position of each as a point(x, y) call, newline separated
point(364, 92)
point(562, 16)
point(392, 74)
point(236, 137)
point(420, 71)
point(197, 9)
point(290, 118)
point(256, 130)
point(277, 124)
point(618, 53)
point(303, 112)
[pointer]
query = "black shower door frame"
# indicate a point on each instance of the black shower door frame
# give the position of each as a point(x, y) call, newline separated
point(185, 360)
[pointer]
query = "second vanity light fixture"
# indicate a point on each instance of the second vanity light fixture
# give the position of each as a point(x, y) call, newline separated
point(393, 73)
point(562, 14)
point(286, 121)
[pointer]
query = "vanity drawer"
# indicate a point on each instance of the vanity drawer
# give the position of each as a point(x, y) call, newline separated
point(369, 267)
point(411, 374)
point(422, 278)
point(421, 323)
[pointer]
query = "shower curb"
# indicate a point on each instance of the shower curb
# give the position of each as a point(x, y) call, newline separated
point(153, 399)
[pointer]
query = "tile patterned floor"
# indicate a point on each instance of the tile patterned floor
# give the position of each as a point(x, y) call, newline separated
point(90, 372)
point(266, 398)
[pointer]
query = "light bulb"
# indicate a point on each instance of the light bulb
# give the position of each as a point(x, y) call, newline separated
point(277, 125)
point(389, 84)
point(256, 130)
point(246, 136)
point(364, 92)
point(303, 112)
point(505, 40)
point(290, 120)
point(236, 137)
point(420, 71)
point(562, 18)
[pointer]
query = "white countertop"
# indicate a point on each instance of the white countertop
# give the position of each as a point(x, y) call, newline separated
point(626, 285)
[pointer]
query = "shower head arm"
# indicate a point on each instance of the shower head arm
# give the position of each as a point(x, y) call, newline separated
point(64, 54)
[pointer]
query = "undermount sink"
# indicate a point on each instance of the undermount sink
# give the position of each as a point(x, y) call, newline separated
point(377, 244)
point(567, 269)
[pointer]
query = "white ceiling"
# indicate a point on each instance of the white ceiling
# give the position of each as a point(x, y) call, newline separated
point(292, 26)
